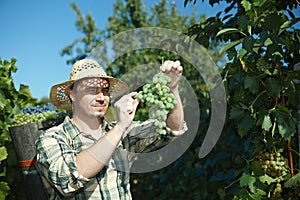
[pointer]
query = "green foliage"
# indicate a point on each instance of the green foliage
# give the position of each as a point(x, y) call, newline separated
point(293, 182)
point(262, 44)
point(4, 190)
point(11, 101)
point(3, 154)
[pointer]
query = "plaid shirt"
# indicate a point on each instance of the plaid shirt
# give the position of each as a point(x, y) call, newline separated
point(56, 160)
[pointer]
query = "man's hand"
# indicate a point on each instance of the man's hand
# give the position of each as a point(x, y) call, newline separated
point(173, 70)
point(125, 110)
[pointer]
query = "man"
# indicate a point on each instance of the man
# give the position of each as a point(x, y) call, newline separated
point(85, 156)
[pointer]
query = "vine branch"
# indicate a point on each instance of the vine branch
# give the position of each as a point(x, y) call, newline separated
point(284, 103)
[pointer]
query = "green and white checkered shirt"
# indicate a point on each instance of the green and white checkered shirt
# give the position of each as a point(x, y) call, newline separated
point(56, 160)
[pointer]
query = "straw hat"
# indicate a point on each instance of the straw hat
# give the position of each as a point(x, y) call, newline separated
point(84, 69)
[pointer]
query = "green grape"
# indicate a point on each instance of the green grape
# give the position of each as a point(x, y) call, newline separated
point(157, 95)
point(20, 119)
point(274, 164)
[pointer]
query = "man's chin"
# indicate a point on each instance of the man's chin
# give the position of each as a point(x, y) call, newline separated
point(100, 111)
point(98, 114)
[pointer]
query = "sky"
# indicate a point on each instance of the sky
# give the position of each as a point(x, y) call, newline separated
point(35, 31)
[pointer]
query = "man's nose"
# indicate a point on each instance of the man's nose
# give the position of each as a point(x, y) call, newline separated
point(100, 96)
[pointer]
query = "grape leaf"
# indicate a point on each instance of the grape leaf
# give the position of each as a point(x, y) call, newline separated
point(248, 180)
point(258, 194)
point(248, 43)
point(293, 182)
point(221, 193)
point(24, 90)
point(272, 22)
point(268, 42)
point(4, 190)
point(229, 46)
point(243, 24)
point(267, 123)
point(273, 87)
point(228, 31)
point(267, 179)
point(245, 123)
point(287, 25)
point(285, 123)
point(283, 108)
point(251, 83)
point(3, 153)
point(236, 112)
point(247, 5)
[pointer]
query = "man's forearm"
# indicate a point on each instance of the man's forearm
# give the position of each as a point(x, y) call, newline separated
point(176, 116)
point(92, 160)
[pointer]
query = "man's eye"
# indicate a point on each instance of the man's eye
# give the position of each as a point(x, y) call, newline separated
point(105, 90)
point(92, 90)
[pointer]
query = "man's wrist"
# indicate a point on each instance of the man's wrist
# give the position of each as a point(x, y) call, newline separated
point(174, 89)
point(120, 127)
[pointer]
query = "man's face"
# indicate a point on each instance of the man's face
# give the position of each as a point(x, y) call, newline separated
point(90, 97)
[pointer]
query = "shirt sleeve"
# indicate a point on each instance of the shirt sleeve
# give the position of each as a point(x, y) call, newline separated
point(142, 137)
point(56, 162)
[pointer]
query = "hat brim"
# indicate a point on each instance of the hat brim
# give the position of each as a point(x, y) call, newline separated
point(60, 98)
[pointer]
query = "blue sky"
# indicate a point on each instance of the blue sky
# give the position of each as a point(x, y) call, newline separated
point(35, 31)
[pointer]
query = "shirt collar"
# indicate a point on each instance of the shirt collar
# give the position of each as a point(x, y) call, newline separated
point(73, 130)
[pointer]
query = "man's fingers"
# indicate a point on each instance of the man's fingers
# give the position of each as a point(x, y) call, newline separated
point(179, 69)
point(171, 65)
point(131, 102)
point(131, 94)
point(129, 97)
point(176, 64)
point(167, 66)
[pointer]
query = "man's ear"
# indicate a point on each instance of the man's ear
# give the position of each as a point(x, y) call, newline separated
point(70, 94)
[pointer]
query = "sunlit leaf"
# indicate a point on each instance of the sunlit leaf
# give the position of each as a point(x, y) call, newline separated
point(3, 153)
point(24, 89)
point(229, 46)
point(247, 181)
point(288, 24)
point(267, 123)
point(228, 31)
point(4, 190)
point(247, 5)
point(267, 179)
point(283, 108)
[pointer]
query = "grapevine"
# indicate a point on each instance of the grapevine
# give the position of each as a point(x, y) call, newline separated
point(157, 96)
point(36, 114)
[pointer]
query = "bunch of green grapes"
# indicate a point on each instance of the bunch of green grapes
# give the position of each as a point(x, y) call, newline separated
point(37, 113)
point(22, 118)
point(274, 164)
point(157, 96)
